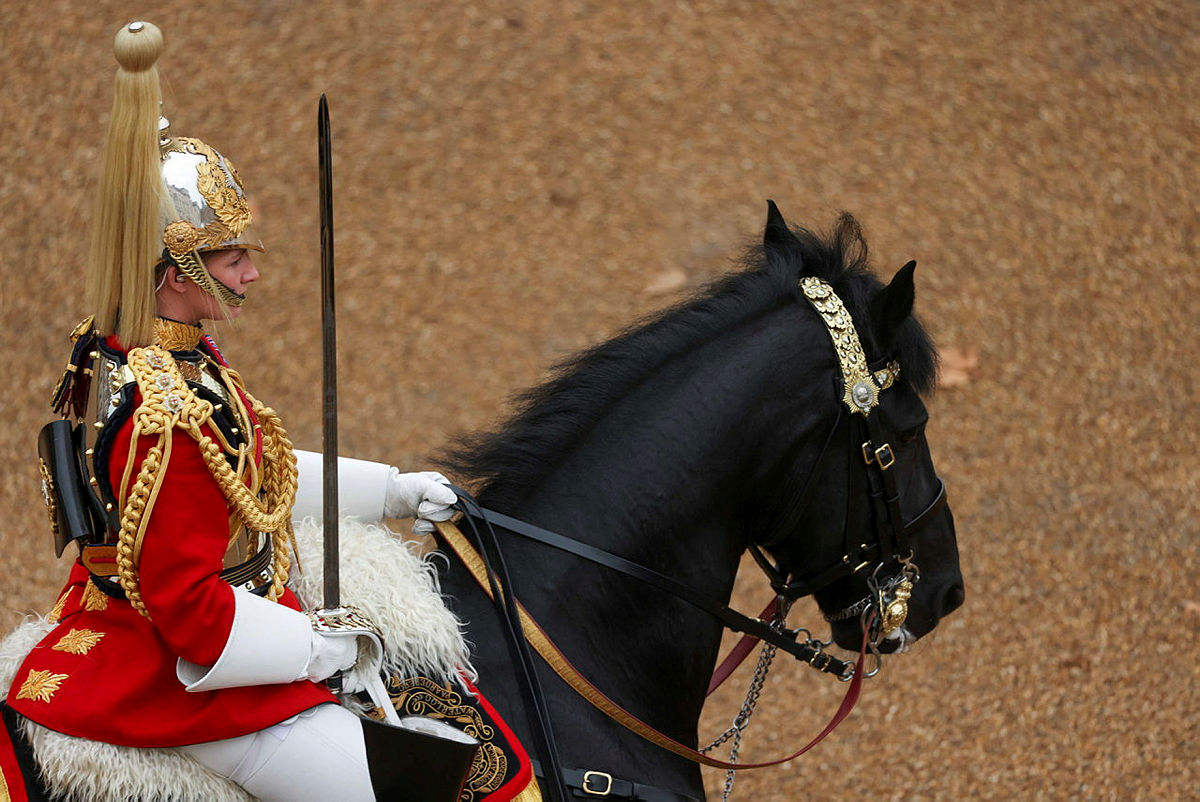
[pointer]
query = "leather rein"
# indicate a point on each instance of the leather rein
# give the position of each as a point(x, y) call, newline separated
point(558, 662)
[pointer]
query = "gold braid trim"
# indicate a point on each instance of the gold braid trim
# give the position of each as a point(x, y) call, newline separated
point(270, 510)
point(168, 403)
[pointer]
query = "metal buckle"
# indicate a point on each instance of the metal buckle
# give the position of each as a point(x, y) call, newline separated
point(885, 456)
point(601, 775)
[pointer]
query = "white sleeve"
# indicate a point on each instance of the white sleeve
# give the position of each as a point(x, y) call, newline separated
point(362, 488)
point(268, 644)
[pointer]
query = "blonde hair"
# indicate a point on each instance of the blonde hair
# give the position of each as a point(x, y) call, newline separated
point(127, 228)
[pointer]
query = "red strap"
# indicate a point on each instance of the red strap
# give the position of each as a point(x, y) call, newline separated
point(740, 651)
point(12, 781)
point(848, 702)
point(669, 743)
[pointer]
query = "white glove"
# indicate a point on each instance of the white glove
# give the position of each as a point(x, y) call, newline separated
point(423, 495)
point(330, 654)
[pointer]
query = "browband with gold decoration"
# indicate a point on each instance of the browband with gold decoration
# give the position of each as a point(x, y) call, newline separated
point(862, 387)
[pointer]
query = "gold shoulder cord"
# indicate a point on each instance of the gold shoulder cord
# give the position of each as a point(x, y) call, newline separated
point(168, 403)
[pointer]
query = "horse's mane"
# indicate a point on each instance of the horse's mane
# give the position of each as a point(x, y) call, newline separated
point(551, 417)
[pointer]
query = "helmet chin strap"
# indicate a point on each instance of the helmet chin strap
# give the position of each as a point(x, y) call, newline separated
point(190, 265)
point(226, 295)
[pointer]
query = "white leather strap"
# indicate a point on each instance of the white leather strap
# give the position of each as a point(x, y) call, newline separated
point(379, 696)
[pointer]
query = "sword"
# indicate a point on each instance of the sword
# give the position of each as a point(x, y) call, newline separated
point(334, 617)
point(329, 429)
point(329, 432)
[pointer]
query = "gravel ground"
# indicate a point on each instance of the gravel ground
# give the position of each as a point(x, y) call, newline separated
point(519, 180)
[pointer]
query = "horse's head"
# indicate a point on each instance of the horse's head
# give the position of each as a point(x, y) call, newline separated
point(864, 527)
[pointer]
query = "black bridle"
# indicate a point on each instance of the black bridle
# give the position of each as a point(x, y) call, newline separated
point(894, 536)
point(478, 518)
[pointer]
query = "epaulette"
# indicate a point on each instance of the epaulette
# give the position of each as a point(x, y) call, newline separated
point(167, 400)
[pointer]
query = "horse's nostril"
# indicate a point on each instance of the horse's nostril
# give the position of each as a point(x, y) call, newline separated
point(955, 595)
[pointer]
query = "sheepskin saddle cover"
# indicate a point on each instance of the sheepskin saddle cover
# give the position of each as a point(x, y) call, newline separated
point(383, 575)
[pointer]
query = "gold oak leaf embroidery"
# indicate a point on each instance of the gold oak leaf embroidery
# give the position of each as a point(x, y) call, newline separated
point(94, 598)
point(40, 686)
point(57, 611)
point(78, 641)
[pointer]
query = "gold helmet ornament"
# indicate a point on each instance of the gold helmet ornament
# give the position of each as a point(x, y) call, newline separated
point(163, 200)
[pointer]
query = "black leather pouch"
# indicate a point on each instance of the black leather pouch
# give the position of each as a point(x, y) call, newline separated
point(64, 484)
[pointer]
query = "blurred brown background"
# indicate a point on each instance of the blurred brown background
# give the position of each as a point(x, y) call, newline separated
point(518, 180)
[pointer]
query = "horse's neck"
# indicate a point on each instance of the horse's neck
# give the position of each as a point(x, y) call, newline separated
point(663, 479)
point(673, 507)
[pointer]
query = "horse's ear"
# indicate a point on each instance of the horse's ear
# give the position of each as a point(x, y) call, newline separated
point(776, 234)
point(891, 306)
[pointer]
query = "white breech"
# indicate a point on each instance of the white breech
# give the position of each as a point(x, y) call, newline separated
point(317, 755)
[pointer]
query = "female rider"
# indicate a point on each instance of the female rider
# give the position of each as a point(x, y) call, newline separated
point(176, 627)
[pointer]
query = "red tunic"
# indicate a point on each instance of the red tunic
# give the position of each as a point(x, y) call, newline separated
point(107, 673)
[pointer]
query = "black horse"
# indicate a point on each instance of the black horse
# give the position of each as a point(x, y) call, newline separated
point(717, 426)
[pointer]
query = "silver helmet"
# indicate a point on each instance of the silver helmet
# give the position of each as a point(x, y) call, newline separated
point(207, 198)
point(207, 210)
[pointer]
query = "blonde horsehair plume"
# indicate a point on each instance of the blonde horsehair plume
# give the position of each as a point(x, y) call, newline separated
point(126, 237)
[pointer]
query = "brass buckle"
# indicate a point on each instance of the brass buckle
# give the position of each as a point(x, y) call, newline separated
point(587, 783)
point(885, 456)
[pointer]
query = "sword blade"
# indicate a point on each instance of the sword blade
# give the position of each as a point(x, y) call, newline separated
point(329, 362)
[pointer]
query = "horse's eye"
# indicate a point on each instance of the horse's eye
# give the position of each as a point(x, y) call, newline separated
point(908, 435)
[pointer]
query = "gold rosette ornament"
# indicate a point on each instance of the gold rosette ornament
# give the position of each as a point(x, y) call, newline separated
point(180, 237)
